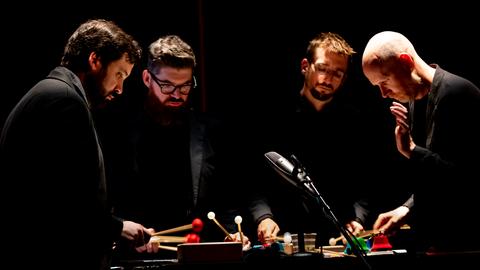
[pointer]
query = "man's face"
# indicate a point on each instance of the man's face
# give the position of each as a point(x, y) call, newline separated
point(393, 81)
point(169, 87)
point(325, 75)
point(105, 82)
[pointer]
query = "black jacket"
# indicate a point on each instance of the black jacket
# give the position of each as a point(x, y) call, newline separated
point(53, 177)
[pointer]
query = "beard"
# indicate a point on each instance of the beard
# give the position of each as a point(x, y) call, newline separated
point(166, 115)
point(94, 88)
point(321, 95)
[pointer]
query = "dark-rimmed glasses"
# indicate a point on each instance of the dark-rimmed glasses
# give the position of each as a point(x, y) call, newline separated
point(168, 88)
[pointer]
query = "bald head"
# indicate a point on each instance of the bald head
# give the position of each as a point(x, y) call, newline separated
point(386, 46)
point(390, 62)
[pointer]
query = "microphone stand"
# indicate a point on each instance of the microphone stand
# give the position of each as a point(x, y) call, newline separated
point(301, 173)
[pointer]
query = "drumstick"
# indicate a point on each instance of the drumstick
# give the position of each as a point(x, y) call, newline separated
point(176, 229)
point(168, 239)
point(211, 215)
point(367, 233)
point(238, 220)
point(167, 248)
point(197, 225)
point(376, 232)
point(333, 241)
point(286, 238)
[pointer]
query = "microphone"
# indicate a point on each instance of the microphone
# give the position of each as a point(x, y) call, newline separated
point(295, 174)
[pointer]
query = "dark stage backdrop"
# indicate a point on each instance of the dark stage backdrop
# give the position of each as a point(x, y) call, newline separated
point(248, 51)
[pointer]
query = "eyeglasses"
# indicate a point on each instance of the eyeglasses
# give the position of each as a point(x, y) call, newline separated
point(168, 88)
point(323, 70)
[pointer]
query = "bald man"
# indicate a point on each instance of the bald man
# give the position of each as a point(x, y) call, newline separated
point(438, 130)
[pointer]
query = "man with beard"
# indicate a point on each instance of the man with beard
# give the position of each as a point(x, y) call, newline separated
point(173, 169)
point(52, 163)
point(328, 134)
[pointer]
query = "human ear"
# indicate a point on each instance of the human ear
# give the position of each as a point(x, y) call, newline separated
point(146, 78)
point(406, 59)
point(304, 65)
point(94, 61)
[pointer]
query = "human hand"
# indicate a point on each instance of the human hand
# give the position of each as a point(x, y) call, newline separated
point(134, 231)
point(354, 227)
point(267, 231)
point(155, 242)
point(246, 244)
point(388, 221)
point(403, 139)
point(150, 247)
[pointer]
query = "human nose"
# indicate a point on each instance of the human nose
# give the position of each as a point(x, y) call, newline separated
point(176, 92)
point(384, 91)
point(119, 89)
point(328, 76)
point(119, 86)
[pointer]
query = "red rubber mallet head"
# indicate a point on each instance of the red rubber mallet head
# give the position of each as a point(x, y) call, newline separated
point(197, 225)
point(192, 238)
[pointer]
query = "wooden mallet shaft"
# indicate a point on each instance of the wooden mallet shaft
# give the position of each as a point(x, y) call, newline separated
point(168, 248)
point(176, 229)
point(223, 229)
point(238, 220)
point(211, 215)
point(168, 239)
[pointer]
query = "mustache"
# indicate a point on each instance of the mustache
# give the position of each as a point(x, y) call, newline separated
point(173, 99)
point(325, 85)
point(115, 93)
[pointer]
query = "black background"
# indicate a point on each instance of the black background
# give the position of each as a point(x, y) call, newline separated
point(248, 51)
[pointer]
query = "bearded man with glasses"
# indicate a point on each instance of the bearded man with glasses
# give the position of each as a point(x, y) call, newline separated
point(173, 165)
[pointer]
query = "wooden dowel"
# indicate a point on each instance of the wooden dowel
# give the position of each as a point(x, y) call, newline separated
point(168, 248)
point(333, 241)
point(168, 239)
point(211, 215)
point(172, 230)
point(238, 220)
